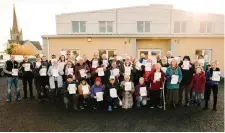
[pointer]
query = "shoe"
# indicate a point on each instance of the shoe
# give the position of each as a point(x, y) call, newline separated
point(94, 107)
point(152, 107)
point(187, 104)
point(18, 99)
point(138, 107)
point(110, 108)
point(24, 98)
point(174, 105)
point(66, 105)
point(75, 107)
point(8, 100)
point(82, 107)
point(159, 106)
point(115, 107)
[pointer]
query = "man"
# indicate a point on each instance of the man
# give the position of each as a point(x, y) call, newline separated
point(50, 62)
point(11, 69)
point(169, 56)
point(36, 69)
point(26, 68)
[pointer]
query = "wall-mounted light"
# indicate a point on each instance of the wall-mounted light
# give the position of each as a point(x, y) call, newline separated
point(89, 39)
point(176, 41)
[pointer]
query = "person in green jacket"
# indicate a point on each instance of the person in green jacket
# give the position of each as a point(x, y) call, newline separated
point(174, 77)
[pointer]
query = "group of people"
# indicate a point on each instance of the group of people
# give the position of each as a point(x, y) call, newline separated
point(125, 83)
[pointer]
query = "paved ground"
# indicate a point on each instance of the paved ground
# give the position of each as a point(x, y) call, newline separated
point(31, 116)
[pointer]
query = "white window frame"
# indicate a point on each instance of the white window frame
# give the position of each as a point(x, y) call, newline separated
point(149, 51)
point(180, 26)
point(71, 51)
point(106, 26)
point(206, 27)
point(107, 52)
point(209, 59)
point(144, 26)
point(79, 26)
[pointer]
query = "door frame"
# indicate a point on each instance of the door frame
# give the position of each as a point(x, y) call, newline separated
point(149, 51)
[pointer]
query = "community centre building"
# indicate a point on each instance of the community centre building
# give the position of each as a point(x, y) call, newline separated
point(151, 29)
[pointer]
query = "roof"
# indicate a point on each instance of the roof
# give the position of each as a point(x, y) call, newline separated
point(35, 43)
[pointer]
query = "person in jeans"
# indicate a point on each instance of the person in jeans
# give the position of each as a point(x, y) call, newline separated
point(26, 68)
point(12, 79)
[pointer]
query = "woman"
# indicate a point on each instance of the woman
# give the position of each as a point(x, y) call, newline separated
point(138, 71)
point(212, 84)
point(95, 62)
point(113, 70)
point(104, 61)
point(202, 62)
point(69, 69)
point(164, 66)
point(174, 76)
point(55, 76)
point(141, 99)
point(127, 68)
point(128, 88)
point(81, 70)
point(62, 58)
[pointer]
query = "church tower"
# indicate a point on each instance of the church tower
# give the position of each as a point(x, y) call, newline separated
point(15, 33)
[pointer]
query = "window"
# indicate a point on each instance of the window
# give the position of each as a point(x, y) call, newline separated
point(108, 53)
point(180, 27)
point(105, 26)
point(149, 52)
point(207, 53)
point(79, 26)
point(143, 26)
point(205, 27)
point(73, 52)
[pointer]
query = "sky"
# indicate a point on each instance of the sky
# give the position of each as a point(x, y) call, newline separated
point(37, 17)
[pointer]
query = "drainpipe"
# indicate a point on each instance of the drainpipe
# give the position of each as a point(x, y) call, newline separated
point(116, 21)
point(48, 48)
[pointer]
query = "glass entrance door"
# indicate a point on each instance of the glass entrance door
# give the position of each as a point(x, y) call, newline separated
point(149, 52)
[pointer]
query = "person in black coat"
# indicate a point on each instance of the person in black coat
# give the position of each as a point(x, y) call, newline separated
point(187, 75)
point(44, 83)
point(36, 69)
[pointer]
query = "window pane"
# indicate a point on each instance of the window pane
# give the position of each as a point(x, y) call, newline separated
point(202, 27)
point(154, 53)
point(110, 53)
point(140, 26)
point(176, 27)
point(209, 27)
point(82, 26)
point(101, 52)
point(144, 52)
point(147, 26)
point(75, 26)
point(75, 53)
point(183, 27)
point(109, 26)
point(102, 27)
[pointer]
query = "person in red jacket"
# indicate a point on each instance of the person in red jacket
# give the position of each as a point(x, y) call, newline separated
point(157, 78)
point(197, 85)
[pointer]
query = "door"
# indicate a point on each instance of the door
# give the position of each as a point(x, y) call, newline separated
point(149, 52)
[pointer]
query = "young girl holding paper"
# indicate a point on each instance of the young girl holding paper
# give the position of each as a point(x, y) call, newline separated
point(97, 91)
point(70, 92)
point(197, 85)
point(174, 76)
point(212, 78)
point(141, 93)
point(111, 93)
point(84, 93)
point(128, 88)
point(157, 78)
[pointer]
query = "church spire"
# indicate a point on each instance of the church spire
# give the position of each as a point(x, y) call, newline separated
point(15, 33)
point(15, 24)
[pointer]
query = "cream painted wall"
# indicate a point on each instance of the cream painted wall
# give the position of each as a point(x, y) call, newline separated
point(187, 46)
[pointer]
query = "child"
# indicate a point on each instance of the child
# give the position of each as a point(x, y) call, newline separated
point(96, 93)
point(141, 99)
point(211, 85)
point(112, 99)
point(197, 85)
point(83, 94)
point(128, 88)
point(157, 78)
point(174, 76)
point(70, 96)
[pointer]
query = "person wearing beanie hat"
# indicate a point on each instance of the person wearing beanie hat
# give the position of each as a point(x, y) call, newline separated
point(111, 92)
point(70, 93)
point(186, 80)
point(97, 91)
point(84, 93)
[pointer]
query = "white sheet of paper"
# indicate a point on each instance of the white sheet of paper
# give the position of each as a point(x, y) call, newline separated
point(143, 91)
point(78, 57)
point(43, 72)
point(138, 66)
point(174, 79)
point(105, 62)
point(169, 60)
point(15, 72)
point(201, 62)
point(72, 88)
point(127, 86)
point(38, 64)
point(148, 66)
point(83, 73)
point(154, 61)
point(99, 96)
point(144, 62)
point(94, 64)
point(27, 67)
point(101, 72)
point(216, 76)
point(157, 75)
point(116, 72)
point(85, 89)
point(127, 70)
point(164, 69)
point(186, 65)
point(113, 93)
point(55, 72)
point(70, 71)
